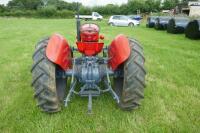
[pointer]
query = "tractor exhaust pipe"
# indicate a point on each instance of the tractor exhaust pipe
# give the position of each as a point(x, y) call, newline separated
point(78, 23)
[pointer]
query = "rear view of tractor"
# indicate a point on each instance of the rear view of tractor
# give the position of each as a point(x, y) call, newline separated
point(56, 70)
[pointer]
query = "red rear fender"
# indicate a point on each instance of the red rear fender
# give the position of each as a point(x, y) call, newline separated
point(58, 51)
point(118, 51)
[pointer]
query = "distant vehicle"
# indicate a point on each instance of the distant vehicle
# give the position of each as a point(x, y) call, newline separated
point(165, 11)
point(135, 17)
point(94, 16)
point(122, 20)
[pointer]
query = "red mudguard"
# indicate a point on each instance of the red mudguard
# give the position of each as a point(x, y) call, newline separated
point(118, 51)
point(58, 51)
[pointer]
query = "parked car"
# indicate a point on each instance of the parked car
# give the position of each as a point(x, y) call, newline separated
point(122, 20)
point(135, 17)
point(94, 16)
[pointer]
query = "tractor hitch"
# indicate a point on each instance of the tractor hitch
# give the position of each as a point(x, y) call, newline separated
point(86, 71)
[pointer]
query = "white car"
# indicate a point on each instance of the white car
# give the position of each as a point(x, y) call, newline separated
point(121, 20)
point(93, 16)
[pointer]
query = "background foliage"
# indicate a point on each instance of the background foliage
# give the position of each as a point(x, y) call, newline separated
point(62, 9)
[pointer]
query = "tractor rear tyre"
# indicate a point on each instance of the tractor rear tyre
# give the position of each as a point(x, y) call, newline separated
point(130, 86)
point(48, 83)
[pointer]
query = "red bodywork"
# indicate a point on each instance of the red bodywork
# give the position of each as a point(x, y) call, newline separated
point(59, 52)
point(118, 51)
point(89, 44)
point(89, 33)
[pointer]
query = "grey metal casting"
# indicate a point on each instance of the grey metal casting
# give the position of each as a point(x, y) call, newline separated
point(90, 71)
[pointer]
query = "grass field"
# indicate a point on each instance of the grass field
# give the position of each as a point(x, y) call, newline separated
point(172, 96)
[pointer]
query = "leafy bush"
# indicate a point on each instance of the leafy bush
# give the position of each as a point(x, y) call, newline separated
point(40, 13)
point(47, 12)
point(2, 8)
point(18, 13)
point(64, 14)
point(85, 10)
point(62, 9)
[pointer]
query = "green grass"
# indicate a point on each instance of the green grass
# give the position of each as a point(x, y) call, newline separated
point(172, 96)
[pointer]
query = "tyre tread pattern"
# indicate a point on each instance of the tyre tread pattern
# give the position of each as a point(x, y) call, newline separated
point(134, 78)
point(44, 79)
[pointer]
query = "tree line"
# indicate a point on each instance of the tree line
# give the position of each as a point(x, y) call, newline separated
point(62, 9)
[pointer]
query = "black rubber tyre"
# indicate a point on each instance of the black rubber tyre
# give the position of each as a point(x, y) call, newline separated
point(99, 19)
point(49, 90)
point(130, 86)
point(111, 24)
point(131, 25)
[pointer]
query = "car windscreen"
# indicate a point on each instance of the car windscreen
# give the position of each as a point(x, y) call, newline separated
point(96, 14)
point(123, 18)
point(116, 17)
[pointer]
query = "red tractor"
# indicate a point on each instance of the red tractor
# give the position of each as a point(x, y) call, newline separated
point(54, 64)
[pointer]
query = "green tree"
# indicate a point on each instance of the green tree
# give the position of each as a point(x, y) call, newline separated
point(2, 8)
point(152, 5)
point(134, 5)
point(170, 4)
point(24, 4)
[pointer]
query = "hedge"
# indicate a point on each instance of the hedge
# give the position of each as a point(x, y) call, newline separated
point(40, 13)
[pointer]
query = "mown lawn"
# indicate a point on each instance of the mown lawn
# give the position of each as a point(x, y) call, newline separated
point(172, 96)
